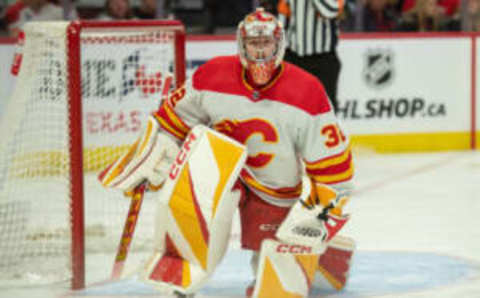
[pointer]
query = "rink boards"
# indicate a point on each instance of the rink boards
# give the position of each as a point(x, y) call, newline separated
point(396, 93)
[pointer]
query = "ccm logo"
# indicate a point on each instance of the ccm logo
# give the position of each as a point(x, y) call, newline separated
point(181, 156)
point(293, 249)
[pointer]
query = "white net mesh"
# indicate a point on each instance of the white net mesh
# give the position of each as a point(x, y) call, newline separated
point(124, 72)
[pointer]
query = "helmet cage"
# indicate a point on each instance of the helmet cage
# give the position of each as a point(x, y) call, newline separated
point(258, 24)
point(259, 60)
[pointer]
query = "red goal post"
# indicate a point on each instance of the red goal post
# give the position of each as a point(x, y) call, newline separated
point(82, 93)
point(74, 51)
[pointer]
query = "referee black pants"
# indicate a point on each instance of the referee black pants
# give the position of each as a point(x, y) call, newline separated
point(325, 66)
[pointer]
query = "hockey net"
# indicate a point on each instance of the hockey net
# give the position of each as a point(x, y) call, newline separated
point(83, 91)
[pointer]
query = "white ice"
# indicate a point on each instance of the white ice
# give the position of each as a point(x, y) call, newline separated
point(416, 221)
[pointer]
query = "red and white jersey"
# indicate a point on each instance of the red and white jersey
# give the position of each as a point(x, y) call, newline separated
point(18, 14)
point(287, 126)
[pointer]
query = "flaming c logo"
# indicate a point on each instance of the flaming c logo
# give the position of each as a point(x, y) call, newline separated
point(243, 130)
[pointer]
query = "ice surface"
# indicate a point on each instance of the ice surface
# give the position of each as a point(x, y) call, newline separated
point(416, 221)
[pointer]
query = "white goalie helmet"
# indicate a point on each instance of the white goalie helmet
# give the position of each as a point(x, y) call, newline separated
point(255, 26)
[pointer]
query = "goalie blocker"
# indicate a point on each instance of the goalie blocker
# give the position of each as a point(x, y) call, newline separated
point(308, 245)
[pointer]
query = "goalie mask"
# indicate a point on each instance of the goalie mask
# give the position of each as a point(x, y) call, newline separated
point(261, 44)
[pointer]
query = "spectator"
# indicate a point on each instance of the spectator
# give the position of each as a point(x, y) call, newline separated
point(378, 16)
point(147, 10)
point(426, 15)
point(223, 13)
point(449, 7)
point(312, 36)
point(471, 16)
point(212, 9)
point(348, 19)
point(69, 8)
point(22, 11)
point(269, 6)
point(3, 21)
point(116, 10)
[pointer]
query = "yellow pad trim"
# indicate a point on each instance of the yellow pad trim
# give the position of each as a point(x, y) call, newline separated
point(325, 194)
point(271, 285)
point(330, 278)
point(182, 206)
point(309, 264)
point(118, 167)
point(186, 275)
point(227, 156)
point(146, 139)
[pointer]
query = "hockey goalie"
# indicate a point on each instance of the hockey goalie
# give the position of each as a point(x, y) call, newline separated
point(242, 134)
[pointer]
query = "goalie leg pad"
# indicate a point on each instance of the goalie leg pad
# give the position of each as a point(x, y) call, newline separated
point(284, 270)
point(195, 211)
point(334, 264)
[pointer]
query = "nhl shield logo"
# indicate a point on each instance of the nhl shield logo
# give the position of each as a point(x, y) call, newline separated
point(378, 69)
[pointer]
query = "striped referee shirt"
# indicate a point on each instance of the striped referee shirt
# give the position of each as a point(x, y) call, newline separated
point(311, 26)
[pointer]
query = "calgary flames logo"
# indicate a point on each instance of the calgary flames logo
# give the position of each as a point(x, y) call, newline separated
point(226, 126)
point(242, 131)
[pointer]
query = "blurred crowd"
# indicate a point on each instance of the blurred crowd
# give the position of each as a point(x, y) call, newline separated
point(409, 15)
point(210, 16)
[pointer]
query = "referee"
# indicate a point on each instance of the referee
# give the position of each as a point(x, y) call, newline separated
point(311, 28)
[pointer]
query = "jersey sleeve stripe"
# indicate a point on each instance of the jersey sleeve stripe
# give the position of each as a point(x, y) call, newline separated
point(166, 125)
point(329, 161)
point(333, 169)
point(175, 119)
point(333, 179)
point(283, 193)
point(170, 122)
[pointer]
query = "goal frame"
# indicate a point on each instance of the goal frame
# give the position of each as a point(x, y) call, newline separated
point(74, 31)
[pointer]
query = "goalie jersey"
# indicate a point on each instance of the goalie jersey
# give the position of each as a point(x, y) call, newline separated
point(288, 126)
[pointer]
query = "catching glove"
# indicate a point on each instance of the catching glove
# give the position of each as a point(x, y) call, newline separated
point(148, 159)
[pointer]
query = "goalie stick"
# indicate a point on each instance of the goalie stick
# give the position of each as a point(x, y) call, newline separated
point(128, 230)
point(133, 211)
